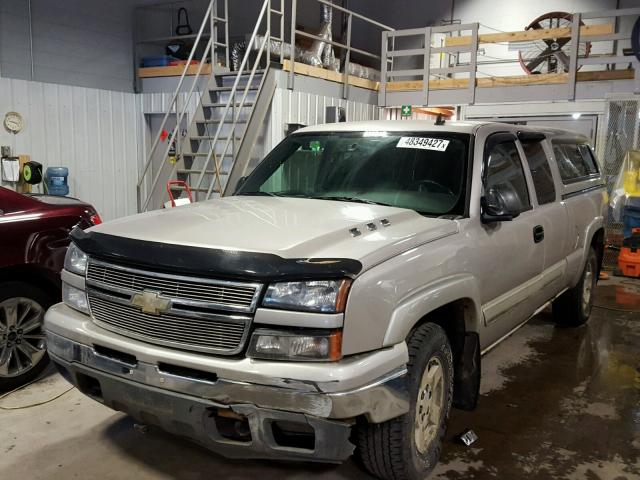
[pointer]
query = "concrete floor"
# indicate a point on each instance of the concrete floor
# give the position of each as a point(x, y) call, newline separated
point(556, 404)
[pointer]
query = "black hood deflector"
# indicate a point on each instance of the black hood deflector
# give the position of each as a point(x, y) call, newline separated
point(209, 262)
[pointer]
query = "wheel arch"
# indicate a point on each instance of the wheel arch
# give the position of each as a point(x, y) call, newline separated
point(593, 233)
point(454, 305)
point(597, 243)
point(457, 296)
point(36, 275)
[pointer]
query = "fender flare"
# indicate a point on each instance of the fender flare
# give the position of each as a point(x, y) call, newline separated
point(429, 298)
point(592, 228)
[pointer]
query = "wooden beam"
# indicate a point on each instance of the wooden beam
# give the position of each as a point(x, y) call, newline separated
point(459, 83)
point(533, 34)
point(510, 81)
point(603, 75)
point(172, 71)
point(517, 80)
point(331, 75)
point(445, 112)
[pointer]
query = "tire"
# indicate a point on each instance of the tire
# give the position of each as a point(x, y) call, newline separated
point(391, 450)
point(573, 307)
point(23, 353)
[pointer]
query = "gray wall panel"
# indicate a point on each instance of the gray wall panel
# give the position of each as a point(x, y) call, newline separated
point(75, 42)
point(95, 133)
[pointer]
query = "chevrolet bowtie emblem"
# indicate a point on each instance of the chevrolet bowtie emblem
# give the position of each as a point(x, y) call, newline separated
point(150, 302)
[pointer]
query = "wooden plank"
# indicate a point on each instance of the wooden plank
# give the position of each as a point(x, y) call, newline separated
point(172, 71)
point(405, 85)
point(446, 112)
point(517, 80)
point(459, 83)
point(528, 35)
point(440, 84)
point(603, 75)
point(331, 75)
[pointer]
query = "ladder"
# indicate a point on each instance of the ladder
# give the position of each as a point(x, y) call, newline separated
point(230, 112)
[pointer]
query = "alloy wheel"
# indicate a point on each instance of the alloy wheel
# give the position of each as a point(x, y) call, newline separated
point(429, 405)
point(22, 340)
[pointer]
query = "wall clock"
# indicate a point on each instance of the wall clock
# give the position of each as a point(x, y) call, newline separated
point(13, 122)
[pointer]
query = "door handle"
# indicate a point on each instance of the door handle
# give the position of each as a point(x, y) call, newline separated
point(538, 233)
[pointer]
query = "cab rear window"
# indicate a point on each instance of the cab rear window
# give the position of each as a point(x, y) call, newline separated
point(575, 161)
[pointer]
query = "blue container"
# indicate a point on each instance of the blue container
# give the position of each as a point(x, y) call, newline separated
point(157, 61)
point(57, 181)
point(630, 220)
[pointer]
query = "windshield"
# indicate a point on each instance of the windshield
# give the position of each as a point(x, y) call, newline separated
point(422, 171)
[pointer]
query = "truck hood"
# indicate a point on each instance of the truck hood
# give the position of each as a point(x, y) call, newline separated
point(287, 227)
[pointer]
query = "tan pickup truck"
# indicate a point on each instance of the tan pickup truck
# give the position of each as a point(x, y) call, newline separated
point(341, 299)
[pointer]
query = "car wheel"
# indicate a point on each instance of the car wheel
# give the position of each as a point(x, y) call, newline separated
point(23, 353)
point(408, 447)
point(573, 307)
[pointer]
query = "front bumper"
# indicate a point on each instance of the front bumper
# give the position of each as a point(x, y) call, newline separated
point(186, 401)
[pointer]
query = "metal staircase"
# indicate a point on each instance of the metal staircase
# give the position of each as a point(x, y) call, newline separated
point(206, 160)
point(216, 149)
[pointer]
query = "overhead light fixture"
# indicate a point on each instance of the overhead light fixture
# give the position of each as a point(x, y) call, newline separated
point(576, 116)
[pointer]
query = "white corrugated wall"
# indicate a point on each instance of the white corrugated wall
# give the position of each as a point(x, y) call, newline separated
point(100, 135)
point(95, 133)
point(291, 106)
point(158, 103)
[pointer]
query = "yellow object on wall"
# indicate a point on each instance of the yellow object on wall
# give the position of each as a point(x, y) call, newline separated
point(630, 182)
point(631, 173)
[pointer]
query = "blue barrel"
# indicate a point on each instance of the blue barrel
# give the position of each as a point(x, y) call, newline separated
point(630, 220)
point(57, 181)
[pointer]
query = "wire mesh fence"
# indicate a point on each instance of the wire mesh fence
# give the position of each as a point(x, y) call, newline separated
point(622, 135)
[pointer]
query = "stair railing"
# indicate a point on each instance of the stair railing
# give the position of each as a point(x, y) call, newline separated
point(211, 20)
point(265, 14)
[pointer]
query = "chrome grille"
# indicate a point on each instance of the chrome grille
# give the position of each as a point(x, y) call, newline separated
point(218, 294)
point(169, 329)
point(202, 314)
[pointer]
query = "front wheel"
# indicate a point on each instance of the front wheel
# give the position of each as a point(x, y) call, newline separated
point(408, 447)
point(573, 307)
point(23, 353)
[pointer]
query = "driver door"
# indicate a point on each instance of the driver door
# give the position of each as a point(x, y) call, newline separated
point(512, 258)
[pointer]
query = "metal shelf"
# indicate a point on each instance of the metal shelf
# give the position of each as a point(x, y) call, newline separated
point(172, 38)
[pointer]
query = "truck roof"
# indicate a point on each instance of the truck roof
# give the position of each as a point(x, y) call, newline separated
point(394, 126)
point(469, 127)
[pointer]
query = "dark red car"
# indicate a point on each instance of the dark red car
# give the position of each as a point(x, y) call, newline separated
point(34, 236)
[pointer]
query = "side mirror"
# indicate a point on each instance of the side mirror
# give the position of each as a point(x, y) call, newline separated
point(241, 181)
point(499, 204)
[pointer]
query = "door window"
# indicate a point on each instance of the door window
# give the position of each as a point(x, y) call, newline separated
point(540, 171)
point(504, 168)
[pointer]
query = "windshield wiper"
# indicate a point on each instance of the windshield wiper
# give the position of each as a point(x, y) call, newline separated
point(353, 199)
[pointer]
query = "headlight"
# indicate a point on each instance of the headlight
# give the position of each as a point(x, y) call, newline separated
point(75, 298)
point(326, 296)
point(309, 347)
point(75, 261)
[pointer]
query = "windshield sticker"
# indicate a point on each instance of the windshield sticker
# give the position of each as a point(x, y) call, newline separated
point(437, 144)
point(315, 146)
